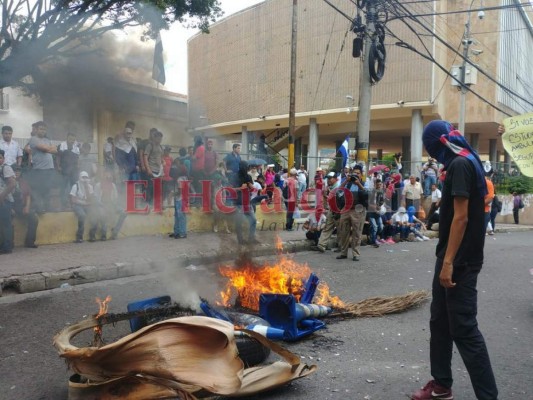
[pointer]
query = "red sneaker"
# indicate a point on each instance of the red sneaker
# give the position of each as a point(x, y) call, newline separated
point(433, 390)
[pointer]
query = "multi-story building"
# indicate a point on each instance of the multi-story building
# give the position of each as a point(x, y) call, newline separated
point(239, 74)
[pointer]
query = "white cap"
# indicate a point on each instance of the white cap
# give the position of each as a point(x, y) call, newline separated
point(293, 171)
point(319, 169)
point(270, 166)
point(84, 174)
point(401, 210)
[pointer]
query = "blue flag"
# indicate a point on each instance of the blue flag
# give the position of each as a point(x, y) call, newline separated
point(343, 150)
point(158, 69)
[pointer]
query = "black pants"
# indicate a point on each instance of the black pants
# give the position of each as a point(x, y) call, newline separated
point(515, 215)
point(33, 221)
point(453, 320)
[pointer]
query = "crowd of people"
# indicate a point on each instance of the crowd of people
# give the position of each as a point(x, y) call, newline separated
point(383, 205)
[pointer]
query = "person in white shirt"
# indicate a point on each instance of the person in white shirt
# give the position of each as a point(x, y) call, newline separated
point(82, 199)
point(12, 150)
point(412, 193)
point(436, 195)
point(302, 181)
point(314, 225)
point(400, 221)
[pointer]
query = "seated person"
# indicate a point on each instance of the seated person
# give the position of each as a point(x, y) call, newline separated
point(388, 231)
point(416, 225)
point(400, 221)
point(314, 225)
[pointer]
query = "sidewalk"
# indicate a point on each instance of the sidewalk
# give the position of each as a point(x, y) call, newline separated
point(49, 267)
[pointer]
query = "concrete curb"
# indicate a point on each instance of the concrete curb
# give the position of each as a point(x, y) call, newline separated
point(37, 282)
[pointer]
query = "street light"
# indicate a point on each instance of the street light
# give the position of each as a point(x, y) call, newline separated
point(467, 41)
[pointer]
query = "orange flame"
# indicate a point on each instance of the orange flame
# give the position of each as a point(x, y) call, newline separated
point(279, 244)
point(103, 306)
point(285, 276)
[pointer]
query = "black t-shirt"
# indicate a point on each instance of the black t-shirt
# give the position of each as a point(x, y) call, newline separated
point(461, 181)
point(238, 181)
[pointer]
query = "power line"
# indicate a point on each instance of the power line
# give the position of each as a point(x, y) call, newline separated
point(482, 71)
point(518, 5)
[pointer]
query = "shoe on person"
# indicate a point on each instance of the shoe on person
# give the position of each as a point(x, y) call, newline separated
point(431, 391)
point(322, 249)
point(491, 233)
point(419, 239)
point(425, 238)
point(314, 248)
point(356, 258)
point(375, 245)
point(390, 241)
point(341, 257)
point(215, 229)
point(78, 241)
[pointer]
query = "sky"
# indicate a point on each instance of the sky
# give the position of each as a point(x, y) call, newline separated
point(175, 47)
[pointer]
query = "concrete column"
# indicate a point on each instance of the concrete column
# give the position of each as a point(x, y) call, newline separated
point(474, 141)
point(493, 156)
point(244, 144)
point(507, 162)
point(312, 161)
point(379, 155)
point(417, 126)
point(406, 154)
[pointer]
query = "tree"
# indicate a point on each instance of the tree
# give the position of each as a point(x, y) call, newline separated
point(34, 32)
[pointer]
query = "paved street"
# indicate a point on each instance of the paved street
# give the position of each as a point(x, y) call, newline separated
point(371, 358)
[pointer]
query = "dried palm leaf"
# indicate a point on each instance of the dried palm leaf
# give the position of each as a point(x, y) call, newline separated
point(378, 306)
point(187, 357)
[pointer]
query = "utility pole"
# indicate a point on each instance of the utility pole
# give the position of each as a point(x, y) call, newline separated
point(365, 88)
point(292, 101)
point(467, 41)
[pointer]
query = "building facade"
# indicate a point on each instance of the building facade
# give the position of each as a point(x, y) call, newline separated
point(239, 74)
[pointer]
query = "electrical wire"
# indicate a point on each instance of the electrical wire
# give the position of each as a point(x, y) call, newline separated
point(482, 71)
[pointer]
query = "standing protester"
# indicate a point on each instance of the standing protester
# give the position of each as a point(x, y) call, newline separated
point(198, 163)
point(436, 196)
point(106, 196)
point(332, 218)
point(167, 179)
point(83, 205)
point(459, 261)
point(290, 193)
point(68, 157)
point(495, 208)
point(376, 200)
point(412, 193)
point(126, 153)
point(488, 201)
point(211, 159)
point(302, 181)
point(153, 163)
point(518, 204)
point(109, 154)
point(7, 186)
point(430, 170)
point(243, 183)
point(233, 160)
point(12, 150)
point(23, 209)
point(43, 175)
point(352, 221)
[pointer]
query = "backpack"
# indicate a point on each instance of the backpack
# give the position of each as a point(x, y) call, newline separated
point(497, 204)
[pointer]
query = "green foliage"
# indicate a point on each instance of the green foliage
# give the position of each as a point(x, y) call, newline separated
point(519, 184)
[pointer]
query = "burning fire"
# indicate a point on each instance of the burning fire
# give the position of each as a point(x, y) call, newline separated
point(247, 282)
point(103, 306)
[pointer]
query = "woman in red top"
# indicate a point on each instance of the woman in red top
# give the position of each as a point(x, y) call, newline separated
point(198, 163)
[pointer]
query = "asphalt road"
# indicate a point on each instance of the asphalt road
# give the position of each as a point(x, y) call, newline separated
point(367, 358)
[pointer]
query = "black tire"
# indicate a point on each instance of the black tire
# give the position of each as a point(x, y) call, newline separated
point(251, 352)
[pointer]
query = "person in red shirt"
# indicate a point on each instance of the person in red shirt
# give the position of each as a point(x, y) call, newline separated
point(198, 163)
point(210, 159)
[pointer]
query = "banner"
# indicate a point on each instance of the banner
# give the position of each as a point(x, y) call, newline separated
point(518, 141)
point(158, 69)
